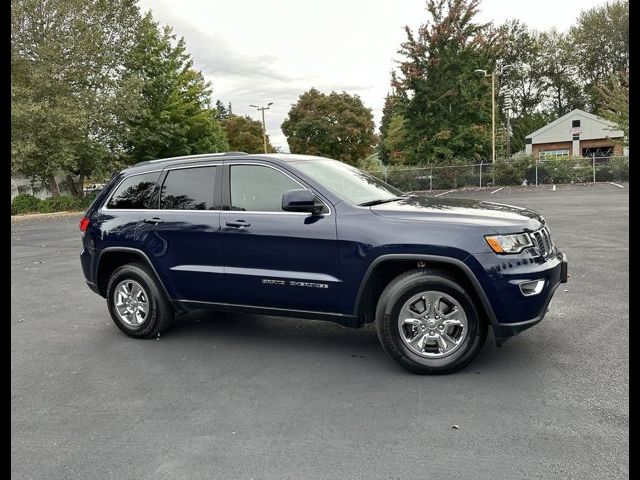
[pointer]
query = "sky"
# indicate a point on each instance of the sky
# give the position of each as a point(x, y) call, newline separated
point(259, 51)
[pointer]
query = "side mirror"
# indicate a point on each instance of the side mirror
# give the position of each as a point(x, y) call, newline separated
point(301, 200)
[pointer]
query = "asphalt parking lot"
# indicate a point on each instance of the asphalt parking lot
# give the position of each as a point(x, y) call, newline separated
point(251, 397)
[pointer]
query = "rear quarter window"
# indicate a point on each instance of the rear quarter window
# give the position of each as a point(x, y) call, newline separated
point(135, 192)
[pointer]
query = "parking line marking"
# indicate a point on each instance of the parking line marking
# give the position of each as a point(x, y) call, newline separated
point(496, 191)
point(444, 193)
point(617, 185)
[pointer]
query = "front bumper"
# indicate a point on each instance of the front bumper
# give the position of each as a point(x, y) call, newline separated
point(513, 311)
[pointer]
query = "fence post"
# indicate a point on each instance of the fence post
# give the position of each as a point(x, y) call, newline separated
point(594, 166)
point(536, 172)
point(481, 161)
point(430, 179)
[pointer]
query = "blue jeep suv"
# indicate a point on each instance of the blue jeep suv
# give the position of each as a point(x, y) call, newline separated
point(315, 238)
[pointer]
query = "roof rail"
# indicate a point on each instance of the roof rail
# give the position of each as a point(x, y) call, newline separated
point(192, 157)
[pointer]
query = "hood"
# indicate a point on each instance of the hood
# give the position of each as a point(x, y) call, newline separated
point(502, 218)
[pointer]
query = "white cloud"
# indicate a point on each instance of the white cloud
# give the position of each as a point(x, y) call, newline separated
point(260, 51)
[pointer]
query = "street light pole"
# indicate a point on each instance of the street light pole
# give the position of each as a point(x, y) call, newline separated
point(264, 126)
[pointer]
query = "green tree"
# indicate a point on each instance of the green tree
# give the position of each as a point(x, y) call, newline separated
point(394, 104)
point(175, 115)
point(448, 113)
point(222, 112)
point(68, 93)
point(395, 140)
point(245, 135)
point(521, 48)
point(562, 87)
point(337, 125)
point(600, 46)
point(614, 101)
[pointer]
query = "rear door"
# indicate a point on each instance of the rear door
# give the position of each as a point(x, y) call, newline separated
point(181, 235)
point(274, 258)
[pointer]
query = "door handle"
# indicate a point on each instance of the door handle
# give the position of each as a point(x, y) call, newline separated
point(154, 220)
point(238, 224)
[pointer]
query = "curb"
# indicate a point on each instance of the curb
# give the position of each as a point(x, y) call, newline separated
point(41, 216)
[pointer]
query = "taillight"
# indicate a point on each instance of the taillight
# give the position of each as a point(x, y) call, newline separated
point(84, 223)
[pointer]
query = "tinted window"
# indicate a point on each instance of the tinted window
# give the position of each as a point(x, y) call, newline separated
point(259, 189)
point(135, 192)
point(188, 189)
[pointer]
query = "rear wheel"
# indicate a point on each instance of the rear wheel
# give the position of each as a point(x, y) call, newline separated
point(428, 323)
point(136, 302)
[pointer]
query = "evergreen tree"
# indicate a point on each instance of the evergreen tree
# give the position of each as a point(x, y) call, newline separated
point(448, 112)
point(175, 117)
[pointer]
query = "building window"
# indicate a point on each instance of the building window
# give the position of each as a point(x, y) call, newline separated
point(575, 123)
point(554, 153)
point(598, 152)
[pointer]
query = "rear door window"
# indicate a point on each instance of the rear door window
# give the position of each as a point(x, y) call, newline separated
point(189, 189)
point(136, 192)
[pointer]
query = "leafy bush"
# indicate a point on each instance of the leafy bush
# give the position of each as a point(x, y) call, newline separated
point(61, 203)
point(513, 172)
point(619, 169)
point(88, 199)
point(25, 203)
point(604, 173)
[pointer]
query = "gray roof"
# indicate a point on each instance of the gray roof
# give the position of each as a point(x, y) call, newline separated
point(577, 112)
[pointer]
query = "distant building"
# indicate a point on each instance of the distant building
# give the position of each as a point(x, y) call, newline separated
point(576, 134)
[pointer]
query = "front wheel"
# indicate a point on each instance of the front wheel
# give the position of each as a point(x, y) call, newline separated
point(428, 323)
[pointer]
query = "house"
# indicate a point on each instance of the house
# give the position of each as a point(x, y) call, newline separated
point(576, 134)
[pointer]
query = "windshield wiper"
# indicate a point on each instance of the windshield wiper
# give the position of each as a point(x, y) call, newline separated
point(379, 201)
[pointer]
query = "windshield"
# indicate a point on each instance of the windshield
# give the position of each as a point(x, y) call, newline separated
point(348, 182)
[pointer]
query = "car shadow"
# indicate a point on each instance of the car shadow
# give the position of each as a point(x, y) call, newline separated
point(303, 338)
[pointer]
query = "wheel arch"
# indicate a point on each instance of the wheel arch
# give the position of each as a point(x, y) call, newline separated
point(386, 267)
point(112, 258)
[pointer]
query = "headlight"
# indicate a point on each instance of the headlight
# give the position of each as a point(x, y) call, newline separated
point(514, 243)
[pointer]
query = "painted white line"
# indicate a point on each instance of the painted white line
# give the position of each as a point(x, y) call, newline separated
point(617, 185)
point(496, 191)
point(444, 193)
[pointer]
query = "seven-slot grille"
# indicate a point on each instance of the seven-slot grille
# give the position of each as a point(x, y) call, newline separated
point(542, 241)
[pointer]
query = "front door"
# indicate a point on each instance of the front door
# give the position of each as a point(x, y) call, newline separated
point(274, 258)
point(181, 235)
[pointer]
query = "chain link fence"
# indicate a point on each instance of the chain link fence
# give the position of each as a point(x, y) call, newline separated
point(514, 171)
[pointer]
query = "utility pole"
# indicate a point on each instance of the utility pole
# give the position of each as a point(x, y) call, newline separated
point(493, 106)
point(493, 117)
point(264, 126)
point(507, 111)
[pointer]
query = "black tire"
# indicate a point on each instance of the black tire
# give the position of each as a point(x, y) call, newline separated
point(160, 312)
point(402, 289)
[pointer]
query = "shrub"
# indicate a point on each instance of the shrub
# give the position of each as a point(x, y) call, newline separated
point(604, 173)
point(619, 169)
point(25, 203)
point(60, 204)
point(88, 199)
point(512, 171)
